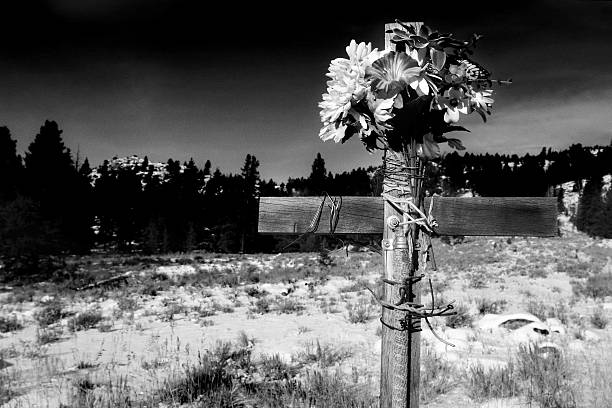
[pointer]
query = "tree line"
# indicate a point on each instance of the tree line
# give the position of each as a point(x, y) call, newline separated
point(52, 203)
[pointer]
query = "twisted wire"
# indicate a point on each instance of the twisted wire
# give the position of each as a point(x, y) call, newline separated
point(403, 179)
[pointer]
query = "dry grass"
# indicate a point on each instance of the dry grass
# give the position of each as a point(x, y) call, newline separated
point(438, 376)
point(489, 275)
point(361, 311)
point(85, 320)
point(495, 382)
point(461, 318)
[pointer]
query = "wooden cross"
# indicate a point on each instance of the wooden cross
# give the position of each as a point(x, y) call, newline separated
point(488, 216)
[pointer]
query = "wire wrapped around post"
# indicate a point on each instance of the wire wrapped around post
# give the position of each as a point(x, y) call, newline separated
point(407, 254)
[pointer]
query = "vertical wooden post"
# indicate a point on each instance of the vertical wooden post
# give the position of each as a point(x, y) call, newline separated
point(400, 350)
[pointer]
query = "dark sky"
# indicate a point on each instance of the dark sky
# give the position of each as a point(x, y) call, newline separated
point(182, 79)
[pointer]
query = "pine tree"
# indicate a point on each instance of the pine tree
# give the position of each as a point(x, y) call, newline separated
point(26, 239)
point(191, 204)
point(250, 195)
point(606, 216)
point(85, 170)
point(54, 183)
point(190, 238)
point(151, 238)
point(48, 162)
point(318, 176)
point(590, 207)
point(207, 167)
point(11, 168)
point(250, 177)
point(453, 167)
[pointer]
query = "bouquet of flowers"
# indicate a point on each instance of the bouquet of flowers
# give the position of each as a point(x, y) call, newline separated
point(412, 96)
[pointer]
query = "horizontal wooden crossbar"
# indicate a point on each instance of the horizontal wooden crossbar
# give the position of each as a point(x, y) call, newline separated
point(493, 216)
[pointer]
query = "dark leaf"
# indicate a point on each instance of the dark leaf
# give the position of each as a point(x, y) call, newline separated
point(433, 36)
point(419, 42)
point(407, 26)
point(438, 58)
point(454, 128)
point(456, 144)
point(439, 138)
point(482, 114)
point(425, 31)
point(431, 150)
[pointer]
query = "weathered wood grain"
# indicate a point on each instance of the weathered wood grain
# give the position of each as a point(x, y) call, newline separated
point(492, 216)
point(400, 350)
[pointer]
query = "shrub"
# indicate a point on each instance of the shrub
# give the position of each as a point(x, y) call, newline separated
point(495, 382)
point(116, 393)
point(538, 309)
point(107, 326)
point(353, 287)
point(9, 324)
point(536, 272)
point(361, 312)
point(543, 311)
point(85, 320)
point(477, 280)
point(224, 378)
point(171, 310)
point(452, 240)
point(8, 387)
point(203, 311)
point(596, 286)
point(49, 314)
point(485, 306)
point(274, 368)
point(574, 269)
point(23, 295)
point(288, 305)
point(461, 318)
point(255, 292)
point(599, 319)
point(559, 311)
point(436, 374)
point(46, 336)
point(126, 303)
point(316, 389)
point(324, 260)
point(210, 381)
point(82, 365)
point(325, 355)
point(262, 305)
point(548, 378)
point(223, 308)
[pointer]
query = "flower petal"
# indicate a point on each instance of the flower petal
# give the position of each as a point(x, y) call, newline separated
point(451, 115)
point(339, 133)
point(424, 87)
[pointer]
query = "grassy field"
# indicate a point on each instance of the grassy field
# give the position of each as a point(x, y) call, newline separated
point(301, 330)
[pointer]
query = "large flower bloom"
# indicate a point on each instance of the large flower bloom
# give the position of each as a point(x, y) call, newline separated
point(347, 85)
point(391, 73)
point(454, 102)
point(456, 73)
point(482, 99)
